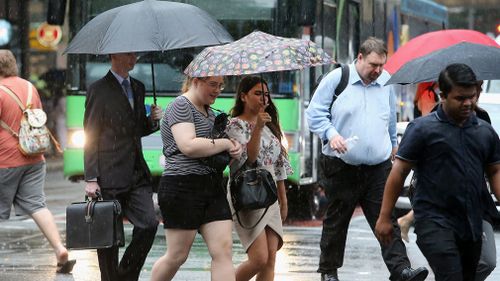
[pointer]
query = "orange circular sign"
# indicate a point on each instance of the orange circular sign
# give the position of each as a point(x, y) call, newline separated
point(49, 35)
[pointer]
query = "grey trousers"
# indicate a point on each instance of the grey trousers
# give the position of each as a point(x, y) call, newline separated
point(488, 258)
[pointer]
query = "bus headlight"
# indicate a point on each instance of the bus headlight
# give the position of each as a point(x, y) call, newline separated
point(290, 141)
point(76, 138)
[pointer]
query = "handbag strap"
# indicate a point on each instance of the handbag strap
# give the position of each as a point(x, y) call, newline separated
point(246, 227)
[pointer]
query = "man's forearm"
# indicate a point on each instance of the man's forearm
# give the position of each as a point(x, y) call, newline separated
point(494, 179)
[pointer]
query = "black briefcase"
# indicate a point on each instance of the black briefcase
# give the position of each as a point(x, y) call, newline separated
point(94, 224)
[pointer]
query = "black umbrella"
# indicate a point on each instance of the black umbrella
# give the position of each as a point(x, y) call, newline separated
point(148, 26)
point(483, 60)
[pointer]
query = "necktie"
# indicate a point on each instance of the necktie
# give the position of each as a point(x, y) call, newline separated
point(128, 92)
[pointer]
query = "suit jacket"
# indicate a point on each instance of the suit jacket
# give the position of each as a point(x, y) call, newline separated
point(113, 133)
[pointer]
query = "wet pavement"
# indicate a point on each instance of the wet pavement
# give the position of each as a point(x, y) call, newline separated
point(26, 255)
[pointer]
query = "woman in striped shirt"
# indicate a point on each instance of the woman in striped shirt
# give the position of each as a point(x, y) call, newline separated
point(191, 195)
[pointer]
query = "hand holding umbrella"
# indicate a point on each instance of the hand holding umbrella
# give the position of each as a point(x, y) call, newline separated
point(156, 112)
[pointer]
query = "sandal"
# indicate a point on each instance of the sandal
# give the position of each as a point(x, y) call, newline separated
point(66, 267)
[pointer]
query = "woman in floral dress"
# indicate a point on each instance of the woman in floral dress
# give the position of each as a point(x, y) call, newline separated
point(255, 125)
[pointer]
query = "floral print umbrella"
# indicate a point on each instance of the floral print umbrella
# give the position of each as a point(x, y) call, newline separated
point(257, 52)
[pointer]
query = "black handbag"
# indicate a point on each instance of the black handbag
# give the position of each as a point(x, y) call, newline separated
point(220, 160)
point(252, 188)
point(94, 224)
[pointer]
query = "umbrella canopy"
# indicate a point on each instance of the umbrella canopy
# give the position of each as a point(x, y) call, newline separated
point(433, 41)
point(146, 26)
point(483, 60)
point(257, 52)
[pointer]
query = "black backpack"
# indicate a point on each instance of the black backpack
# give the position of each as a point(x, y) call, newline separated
point(344, 79)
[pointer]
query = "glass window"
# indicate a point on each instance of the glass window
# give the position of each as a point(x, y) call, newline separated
point(494, 86)
point(494, 113)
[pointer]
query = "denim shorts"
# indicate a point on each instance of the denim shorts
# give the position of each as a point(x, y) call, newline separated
point(190, 201)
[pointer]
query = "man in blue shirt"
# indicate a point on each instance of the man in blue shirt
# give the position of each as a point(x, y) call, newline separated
point(356, 174)
point(451, 149)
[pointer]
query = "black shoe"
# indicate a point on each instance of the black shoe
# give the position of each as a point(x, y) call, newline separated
point(410, 274)
point(329, 277)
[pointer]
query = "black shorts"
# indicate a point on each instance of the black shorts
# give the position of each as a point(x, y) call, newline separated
point(188, 202)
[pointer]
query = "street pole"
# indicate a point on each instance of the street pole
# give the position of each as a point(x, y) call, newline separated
point(24, 25)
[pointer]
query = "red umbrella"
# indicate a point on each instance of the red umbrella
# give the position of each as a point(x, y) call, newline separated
point(432, 41)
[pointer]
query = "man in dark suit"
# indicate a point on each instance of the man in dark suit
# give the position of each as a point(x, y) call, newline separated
point(114, 122)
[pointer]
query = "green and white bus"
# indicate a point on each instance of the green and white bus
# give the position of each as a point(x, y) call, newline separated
point(336, 25)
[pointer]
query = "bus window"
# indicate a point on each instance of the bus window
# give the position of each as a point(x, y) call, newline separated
point(167, 79)
point(353, 43)
point(349, 41)
point(325, 33)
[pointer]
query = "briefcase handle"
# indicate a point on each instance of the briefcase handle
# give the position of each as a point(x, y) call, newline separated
point(90, 206)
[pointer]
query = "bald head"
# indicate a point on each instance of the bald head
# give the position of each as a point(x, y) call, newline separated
point(8, 65)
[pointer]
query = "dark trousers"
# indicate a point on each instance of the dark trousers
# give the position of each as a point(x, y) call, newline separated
point(450, 257)
point(346, 186)
point(137, 206)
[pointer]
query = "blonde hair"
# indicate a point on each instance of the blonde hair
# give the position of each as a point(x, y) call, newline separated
point(8, 65)
point(187, 84)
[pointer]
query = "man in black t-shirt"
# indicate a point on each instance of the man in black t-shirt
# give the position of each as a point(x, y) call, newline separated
point(451, 149)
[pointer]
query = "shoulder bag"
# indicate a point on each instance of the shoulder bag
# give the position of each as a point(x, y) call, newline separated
point(252, 188)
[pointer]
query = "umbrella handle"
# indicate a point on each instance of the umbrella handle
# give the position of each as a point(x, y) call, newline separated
point(154, 85)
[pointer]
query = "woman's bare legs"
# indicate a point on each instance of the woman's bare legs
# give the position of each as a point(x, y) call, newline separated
point(404, 224)
point(267, 272)
point(218, 236)
point(261, 258)
point(179, 242)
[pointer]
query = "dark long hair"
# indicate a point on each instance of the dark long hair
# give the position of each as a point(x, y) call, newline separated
point(246, 84)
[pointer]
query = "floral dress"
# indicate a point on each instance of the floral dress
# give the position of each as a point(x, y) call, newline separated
point(269, 158)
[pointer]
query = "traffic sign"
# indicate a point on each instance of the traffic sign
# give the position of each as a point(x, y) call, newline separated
point(49, 35)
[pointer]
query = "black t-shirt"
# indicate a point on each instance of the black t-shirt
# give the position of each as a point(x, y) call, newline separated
point(450, 161)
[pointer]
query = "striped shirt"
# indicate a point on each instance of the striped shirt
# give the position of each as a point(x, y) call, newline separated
point(181, 110)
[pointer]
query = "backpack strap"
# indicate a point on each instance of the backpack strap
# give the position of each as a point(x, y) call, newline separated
point(8, 128)
point(19, 103)
point(344, 79)
point(30, 94)
point(14, 96)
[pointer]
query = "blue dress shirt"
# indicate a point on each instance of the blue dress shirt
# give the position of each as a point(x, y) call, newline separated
point(365, 111)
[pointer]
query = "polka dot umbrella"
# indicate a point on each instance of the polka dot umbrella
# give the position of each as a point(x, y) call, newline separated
point(257, 52)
